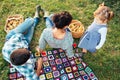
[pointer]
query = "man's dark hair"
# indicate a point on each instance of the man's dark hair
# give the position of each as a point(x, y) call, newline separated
point(62, 19)
point(19, 56)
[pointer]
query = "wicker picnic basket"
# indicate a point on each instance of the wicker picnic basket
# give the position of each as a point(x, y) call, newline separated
point(76, 28)
point(13, 21)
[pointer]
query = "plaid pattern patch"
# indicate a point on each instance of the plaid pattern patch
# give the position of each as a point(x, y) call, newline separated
point(57, 66)
point(15, 42)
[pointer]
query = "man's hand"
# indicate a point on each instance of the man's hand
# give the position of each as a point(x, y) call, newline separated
point(39, 66)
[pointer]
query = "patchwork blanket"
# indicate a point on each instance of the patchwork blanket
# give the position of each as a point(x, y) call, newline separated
point(57, 66)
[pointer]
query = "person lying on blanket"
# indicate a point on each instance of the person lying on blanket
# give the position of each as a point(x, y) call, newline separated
point(16, 48)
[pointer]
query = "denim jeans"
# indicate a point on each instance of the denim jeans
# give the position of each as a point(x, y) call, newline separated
point(49, 22)
point(27, 26)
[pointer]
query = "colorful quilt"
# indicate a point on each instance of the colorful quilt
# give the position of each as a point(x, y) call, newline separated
point(57, 66)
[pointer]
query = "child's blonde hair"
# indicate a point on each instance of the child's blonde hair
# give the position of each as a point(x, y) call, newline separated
point(103, 13)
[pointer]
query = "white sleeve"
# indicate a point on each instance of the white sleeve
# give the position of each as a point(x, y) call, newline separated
point(103, 32)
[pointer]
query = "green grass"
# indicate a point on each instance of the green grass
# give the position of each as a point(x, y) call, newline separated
point(105, 63)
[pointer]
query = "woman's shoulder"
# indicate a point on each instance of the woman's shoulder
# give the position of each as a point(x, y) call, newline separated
point(69, 36)
point(68, 33)
point(48, 30)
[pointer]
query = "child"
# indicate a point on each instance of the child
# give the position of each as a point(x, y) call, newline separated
point(95, 35)
point(16, 48)
point(56, 34)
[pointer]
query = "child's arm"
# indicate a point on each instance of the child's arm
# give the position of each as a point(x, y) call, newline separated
point(103, 32)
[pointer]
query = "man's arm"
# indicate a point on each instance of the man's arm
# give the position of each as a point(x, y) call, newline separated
point(39, 66)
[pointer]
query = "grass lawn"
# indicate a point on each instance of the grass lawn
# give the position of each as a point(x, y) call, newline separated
point(105, 62)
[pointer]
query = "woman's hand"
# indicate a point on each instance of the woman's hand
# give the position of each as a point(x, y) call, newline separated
point(37, 49)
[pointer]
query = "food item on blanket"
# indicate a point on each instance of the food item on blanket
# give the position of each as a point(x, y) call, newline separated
point(37, 54)
point(12, 22)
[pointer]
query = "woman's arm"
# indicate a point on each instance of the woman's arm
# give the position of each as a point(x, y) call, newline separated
point(69, 51)
point(42, 41)
point(42, 45)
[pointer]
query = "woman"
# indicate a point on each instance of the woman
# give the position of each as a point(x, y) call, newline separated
point(56, 35)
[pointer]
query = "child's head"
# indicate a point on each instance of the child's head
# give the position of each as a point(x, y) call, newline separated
point(103, 13)
point(19, 56)
point(62, 19)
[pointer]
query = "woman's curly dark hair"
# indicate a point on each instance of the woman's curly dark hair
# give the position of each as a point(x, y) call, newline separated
point(62, 19)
